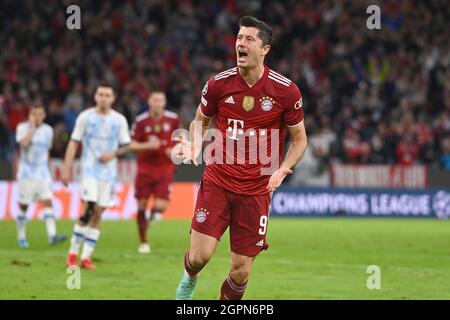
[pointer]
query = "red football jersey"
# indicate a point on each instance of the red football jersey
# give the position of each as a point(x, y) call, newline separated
point(145, 128)
point(244, 115)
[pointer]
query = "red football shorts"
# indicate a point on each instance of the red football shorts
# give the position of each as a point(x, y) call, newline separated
point(247, 216)
point(160, 187)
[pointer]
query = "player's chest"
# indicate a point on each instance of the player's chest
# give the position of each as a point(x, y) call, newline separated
point(250, 106)
point(101, 127)
point(41, 138)
point(160, 129)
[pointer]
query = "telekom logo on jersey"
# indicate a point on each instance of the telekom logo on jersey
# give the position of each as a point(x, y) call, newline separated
point(241, 146)
point(236, 126)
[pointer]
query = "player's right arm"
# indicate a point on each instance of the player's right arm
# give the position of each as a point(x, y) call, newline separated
point(76, 138)
point(24, 136)
point(68, 161)
point(189, 150)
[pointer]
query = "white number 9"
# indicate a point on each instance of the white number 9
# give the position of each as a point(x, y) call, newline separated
point(263, 224)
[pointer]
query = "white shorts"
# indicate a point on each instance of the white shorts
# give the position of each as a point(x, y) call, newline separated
point(100, 192)
point(31, 190)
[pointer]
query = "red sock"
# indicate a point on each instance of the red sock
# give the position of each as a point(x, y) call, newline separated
point(231, 290)
point(142, 226)
point(189, 268)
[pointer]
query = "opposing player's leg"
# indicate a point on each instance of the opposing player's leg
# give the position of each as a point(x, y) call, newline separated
point(89, 197)
point(45, 196)
point(50, 223)
point(105, 200)
point(248, 229)
point(211, 219)
point(91, 238)
point(79, 232)
point(21, 221)
point(26, 197)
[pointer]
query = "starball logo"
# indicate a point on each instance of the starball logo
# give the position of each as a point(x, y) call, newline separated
point(441, 204)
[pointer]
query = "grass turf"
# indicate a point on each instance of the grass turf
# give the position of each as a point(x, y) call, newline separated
point(323, 258)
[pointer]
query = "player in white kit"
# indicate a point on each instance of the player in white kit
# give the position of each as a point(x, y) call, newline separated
point(35, 139)
point(99, 129)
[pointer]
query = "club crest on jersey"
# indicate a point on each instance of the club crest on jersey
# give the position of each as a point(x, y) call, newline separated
point(248, 103)
point(148, 129)
point(266, 103)
point(205, 89)
point(157, 128)
point(201, 215)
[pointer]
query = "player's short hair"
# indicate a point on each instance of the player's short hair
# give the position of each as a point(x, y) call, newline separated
point(264, 30)
point(37, 105)
point(157, 89)
point(106, 85)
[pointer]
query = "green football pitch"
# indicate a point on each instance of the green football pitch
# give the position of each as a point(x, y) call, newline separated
point(325, 258)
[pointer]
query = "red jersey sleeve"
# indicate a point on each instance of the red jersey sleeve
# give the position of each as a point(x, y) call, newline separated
point(208, 101)
point(293, 113)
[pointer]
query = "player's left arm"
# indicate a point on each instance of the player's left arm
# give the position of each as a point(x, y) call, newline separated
point(293, 156)
point(293, 118)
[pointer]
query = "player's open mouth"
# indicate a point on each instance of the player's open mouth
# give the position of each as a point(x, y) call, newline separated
point(242, 54)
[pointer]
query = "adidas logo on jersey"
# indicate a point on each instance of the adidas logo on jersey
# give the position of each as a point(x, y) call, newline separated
point(260, 243)
point(229, 100)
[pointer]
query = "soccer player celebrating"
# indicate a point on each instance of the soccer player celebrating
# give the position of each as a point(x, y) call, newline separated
point(247, 101)
point(100, 129)
point(156, 170)
point(35, 139)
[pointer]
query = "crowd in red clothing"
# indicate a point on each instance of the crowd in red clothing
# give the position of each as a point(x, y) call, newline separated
point(370, 96)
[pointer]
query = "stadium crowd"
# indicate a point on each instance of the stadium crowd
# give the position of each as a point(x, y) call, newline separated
point(370, 96)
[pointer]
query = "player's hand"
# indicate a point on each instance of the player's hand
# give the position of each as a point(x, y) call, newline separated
point(65, 178)
point(277, 178)
point(185, 150)
point(108, 156)
point(32, 120)
point(153, 144)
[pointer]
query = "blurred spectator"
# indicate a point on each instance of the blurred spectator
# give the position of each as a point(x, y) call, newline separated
point(364, 90)
point(4, 138)
point(407, 151)
point(445, 158)
point(17, 112)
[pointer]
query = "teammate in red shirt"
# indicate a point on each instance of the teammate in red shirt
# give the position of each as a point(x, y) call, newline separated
point(155, 169)
point(252, 106)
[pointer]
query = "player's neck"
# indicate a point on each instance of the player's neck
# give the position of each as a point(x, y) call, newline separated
point(156, 115)
point(35, 125)
point(102, 111)
point(251, 75)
